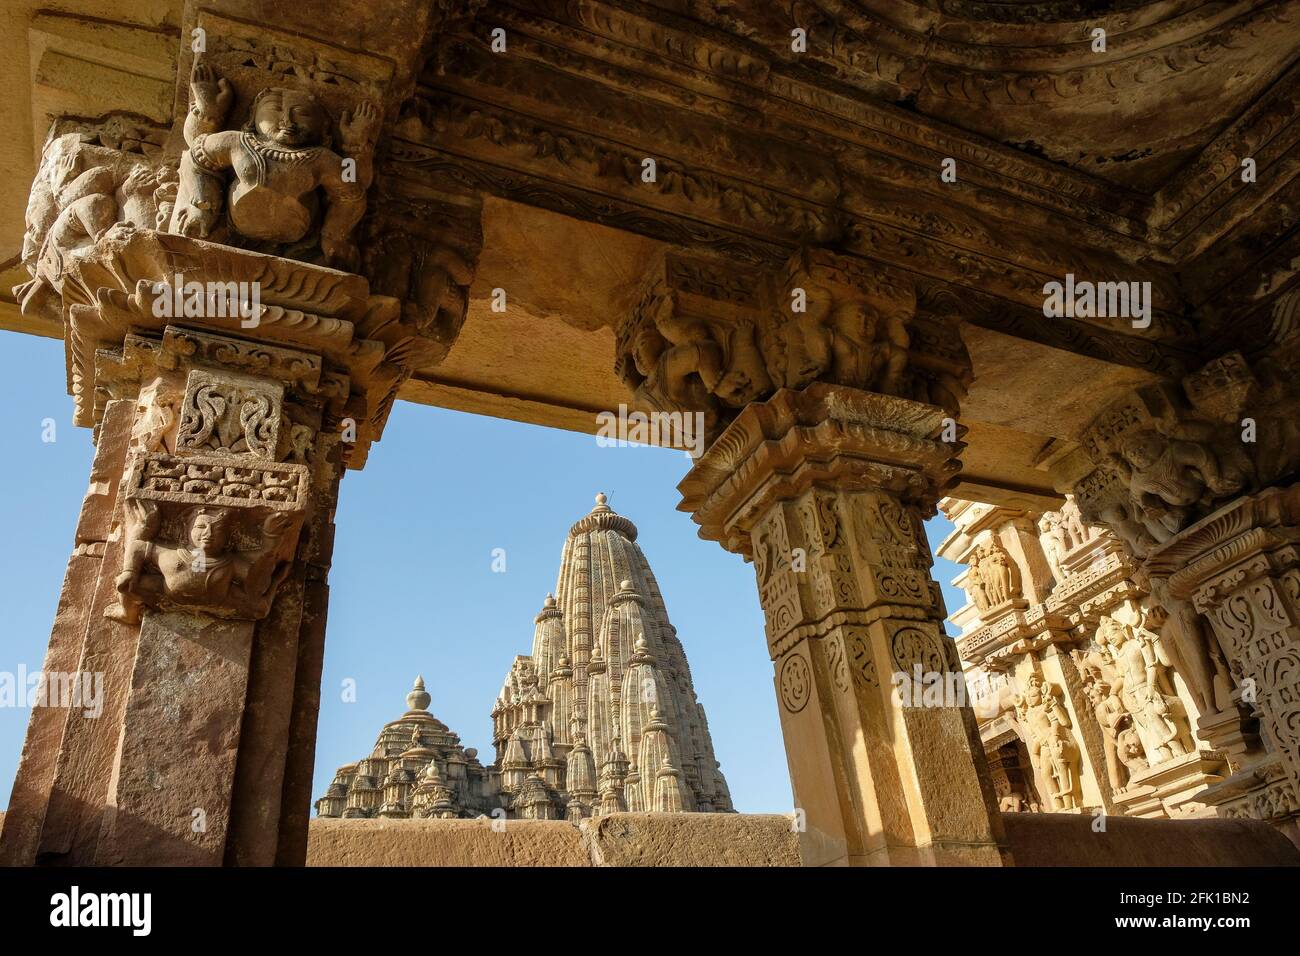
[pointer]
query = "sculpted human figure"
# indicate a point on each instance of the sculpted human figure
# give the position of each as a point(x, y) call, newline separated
point(204, 571)
point(1051, 744)
point(975, 583)
point(745, 378)
point(810, 346)
point(679, 357)
point(1166, 477)
point(1052, 536)
point(1074, 531)
point(998, 575)
point(1138, 684)
point(1195, 652)
point(279, 162)
point(1112, 718)
point(1130, 751)
point(850, 341)
point(890, 357)
point(82, 207)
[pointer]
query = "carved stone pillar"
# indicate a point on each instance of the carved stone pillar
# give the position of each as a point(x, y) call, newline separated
point(1194, 477)
point(1240, 566)
point(222, 438)
point(232, 373)
point(824, 489)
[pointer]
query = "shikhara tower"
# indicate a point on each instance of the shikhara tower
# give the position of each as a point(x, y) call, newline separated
point(601, 717)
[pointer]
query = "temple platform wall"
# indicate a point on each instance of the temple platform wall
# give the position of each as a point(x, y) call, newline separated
point(714, 839)
point(710, 839)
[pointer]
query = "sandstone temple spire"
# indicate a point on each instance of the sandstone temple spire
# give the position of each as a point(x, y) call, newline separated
point(600, 718)
point(417, 768)
point(603, 710)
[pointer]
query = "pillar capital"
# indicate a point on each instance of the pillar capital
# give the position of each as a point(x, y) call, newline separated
point(821, 436)
point(141, 304)
point(712, 336)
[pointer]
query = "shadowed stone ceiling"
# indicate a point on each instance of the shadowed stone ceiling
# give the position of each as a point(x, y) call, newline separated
point(1173, 75)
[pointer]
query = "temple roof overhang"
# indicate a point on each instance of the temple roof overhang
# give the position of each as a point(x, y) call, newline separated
point(1119, 163)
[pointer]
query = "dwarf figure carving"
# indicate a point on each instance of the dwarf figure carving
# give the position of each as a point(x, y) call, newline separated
point(279, 163)
point(204, 572)
point(1129, 748)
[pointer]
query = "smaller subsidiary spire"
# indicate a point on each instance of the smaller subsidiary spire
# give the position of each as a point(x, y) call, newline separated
point(549, 610)
point(418, 698)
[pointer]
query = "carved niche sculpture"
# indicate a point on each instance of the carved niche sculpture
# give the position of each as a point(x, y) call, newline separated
point(277, 165)
point(1061, 532)
point(1051, 744)
point(993, 575)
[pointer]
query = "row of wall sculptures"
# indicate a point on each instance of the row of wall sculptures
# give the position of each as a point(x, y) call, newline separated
point(1115, 700)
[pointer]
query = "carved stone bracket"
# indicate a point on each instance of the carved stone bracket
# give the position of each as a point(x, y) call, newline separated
point(711, 337)
point(1153, 463)
point(1155, 460)
point(314, 328)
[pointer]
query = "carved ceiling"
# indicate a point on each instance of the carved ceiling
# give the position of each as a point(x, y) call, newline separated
point(761, 149)
point(1027, 74)
point(1121, 166)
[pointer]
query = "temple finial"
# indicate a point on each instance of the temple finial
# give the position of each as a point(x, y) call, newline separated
point(418, 698)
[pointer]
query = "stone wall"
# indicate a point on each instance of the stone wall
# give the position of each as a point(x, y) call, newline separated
point(710, 839)
point(620, 839)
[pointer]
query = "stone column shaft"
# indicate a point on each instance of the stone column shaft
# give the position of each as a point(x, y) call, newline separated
point(200, 572)
point(825, 490)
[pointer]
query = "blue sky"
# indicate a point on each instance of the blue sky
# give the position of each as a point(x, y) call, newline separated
point(412, 590)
